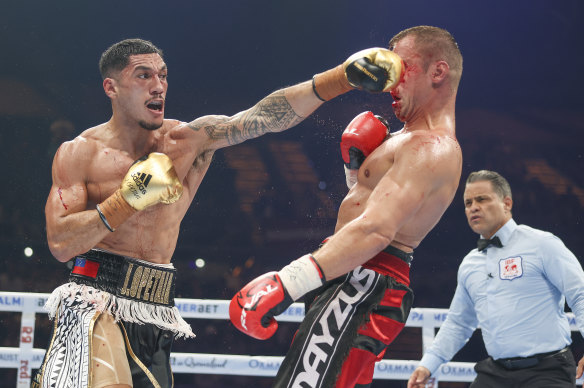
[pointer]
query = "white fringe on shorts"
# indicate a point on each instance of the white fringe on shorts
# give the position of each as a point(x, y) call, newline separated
point(127, 310)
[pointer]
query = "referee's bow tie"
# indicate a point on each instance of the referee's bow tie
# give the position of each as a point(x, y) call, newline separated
point(483, 243)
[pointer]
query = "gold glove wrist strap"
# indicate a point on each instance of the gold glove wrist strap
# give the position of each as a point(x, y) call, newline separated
point(115, 210)
point(331, 83)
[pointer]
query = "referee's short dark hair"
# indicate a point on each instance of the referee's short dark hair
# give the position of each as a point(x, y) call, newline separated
point(500, 184)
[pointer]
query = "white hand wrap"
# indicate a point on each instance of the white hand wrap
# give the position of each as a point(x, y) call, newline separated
point(351, 177)
point(301, 276)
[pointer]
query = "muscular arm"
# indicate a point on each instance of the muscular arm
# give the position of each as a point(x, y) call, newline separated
point(71, 229)
point(277, 112)
point(415, 174)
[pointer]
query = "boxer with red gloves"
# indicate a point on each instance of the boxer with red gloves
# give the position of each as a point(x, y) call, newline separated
point(253, 309)
point(360, 276)
point(364, 133)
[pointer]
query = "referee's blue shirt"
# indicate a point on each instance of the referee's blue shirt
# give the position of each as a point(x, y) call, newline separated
point(516, 295)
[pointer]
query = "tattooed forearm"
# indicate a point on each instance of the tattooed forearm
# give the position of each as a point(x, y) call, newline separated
point(272, 114)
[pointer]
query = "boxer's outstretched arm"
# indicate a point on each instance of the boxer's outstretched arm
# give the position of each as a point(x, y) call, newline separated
point(375, 70)
point(277, 112)
point(71, 229)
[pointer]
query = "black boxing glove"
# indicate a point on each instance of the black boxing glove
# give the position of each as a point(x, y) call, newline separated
point(374, 70)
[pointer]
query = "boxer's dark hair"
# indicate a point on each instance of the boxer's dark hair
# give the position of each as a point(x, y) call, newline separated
point(117, 56)
point(499, 183)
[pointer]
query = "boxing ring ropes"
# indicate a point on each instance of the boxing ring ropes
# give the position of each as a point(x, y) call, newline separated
point(25, 357)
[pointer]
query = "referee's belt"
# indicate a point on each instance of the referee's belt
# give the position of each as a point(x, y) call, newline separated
point(526, 362)
point(125, 277)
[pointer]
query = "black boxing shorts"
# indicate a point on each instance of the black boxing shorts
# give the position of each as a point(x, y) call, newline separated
point(138, 295)
point(349, 325)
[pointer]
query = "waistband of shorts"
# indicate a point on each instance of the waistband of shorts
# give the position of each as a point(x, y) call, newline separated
point(125, 277)
point(515, 363)
point(392, 262)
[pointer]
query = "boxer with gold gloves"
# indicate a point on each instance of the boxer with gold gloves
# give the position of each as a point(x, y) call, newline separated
point(150, 180)
point(356, 285)
point(374, 70)
point(119, 220)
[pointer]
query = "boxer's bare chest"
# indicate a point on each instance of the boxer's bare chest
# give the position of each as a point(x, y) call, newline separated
point(371, 172)
point(380, 161)
point(108, 167)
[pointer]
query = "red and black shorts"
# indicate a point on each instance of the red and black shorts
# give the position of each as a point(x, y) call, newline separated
point(349, 324)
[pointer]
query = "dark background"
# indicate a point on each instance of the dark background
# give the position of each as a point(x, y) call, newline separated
point(270, 200)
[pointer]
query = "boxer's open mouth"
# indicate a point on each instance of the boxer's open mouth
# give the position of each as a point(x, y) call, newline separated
point(155, 105)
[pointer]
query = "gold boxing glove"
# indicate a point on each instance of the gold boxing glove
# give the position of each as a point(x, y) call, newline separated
point(149, 180)
point(374, 70)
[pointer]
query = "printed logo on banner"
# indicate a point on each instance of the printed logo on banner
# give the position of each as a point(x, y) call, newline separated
point(264, 365)
point(294, 311)
point(457, 370)
point(205, 363)
point(8, 357)
point(198, 363)
point(11, 301)
point(24, 372)
point(392, 368)
point(511, 268)
point(202, 308)
point(26, 334)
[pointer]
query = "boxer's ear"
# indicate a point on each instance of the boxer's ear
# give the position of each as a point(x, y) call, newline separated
point(110, 87)
point(440, 70)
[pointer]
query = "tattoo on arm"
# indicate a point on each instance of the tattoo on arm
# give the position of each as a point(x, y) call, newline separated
point(271, 114)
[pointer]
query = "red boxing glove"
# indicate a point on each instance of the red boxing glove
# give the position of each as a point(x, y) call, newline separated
point(252, 309)
point(363, 134)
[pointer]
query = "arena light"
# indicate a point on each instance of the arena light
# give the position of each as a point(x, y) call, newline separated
point(200, 263)
point(28, 251)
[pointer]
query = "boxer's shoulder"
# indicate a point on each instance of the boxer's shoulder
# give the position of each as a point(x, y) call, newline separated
point(430, 143)
point(78, 149)
point(179, 131)
point(172, 125)
point(90, 140)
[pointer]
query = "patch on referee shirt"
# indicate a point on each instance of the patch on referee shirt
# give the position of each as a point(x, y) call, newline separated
point(511, 268)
